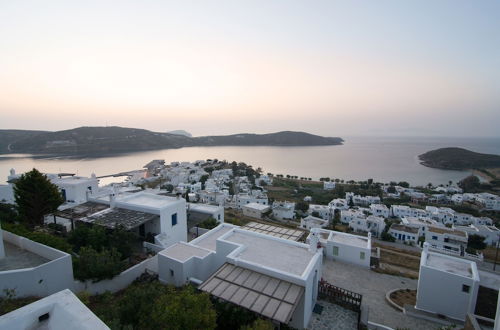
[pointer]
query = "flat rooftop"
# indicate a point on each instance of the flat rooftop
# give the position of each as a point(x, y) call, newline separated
point(352, 240)
point(442, 230)
point(208, 240)
point(449, 264)
point(257, 206)
point(17, 258)
point(203, 208)
point(276, 231)
point(272, 253)
point(182, 251)
point(148, 200)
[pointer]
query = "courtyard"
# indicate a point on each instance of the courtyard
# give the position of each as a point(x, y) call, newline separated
point(374, 286)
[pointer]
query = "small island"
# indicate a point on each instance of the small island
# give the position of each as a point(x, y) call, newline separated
point(459, 159)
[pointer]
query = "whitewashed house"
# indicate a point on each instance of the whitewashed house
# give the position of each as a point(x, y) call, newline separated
point(489, 201)
point(491, 234)
point(254, 210)
point(245, 198)
point(361, 200)
point(371, 224)
point(338, 204)
point(379, 210)
point(447, 285)
point(271, 276)
point(59, 311)
point(328, 185)
point(448, 239)
point(343, 247)
point(283, 210)
point(405, 233)
point(346, 216)
point(310, 222)
point(421, 223)
point(323, 211)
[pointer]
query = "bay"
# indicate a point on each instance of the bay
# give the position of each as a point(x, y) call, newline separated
point(382, 158)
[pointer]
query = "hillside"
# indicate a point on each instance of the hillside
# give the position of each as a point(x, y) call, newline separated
point(101, 141)
point(458, 159)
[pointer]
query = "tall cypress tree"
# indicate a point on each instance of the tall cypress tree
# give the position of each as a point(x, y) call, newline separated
point(35, 197)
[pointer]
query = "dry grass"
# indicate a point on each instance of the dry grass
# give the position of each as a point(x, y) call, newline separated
point(399, 259)
point(396, 271)
point(490, 253)
point(396, 249)
point(404, 297)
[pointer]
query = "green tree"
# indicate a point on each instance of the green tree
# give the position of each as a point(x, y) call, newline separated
point(259, 324)
point(470, 183)
point(209, 223)
point(95, 265)
point(302, 206)
point(476, 242)
point(36, 197)
point(184, 310)
point(404, 184)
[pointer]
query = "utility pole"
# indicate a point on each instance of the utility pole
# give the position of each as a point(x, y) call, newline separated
point(496, 254)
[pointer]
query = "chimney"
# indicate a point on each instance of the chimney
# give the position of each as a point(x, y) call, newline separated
point(313, 242)
point(426, 247)
point(112, 198)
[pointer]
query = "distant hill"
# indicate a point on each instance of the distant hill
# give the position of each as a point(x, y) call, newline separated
point(101, 141)
point(458, 159)
point(180, 132)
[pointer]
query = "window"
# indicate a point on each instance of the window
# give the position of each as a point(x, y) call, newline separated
point(218, 217)
point(434, 238)
point(335, 250)
point(172, 272)
point(465, 288)
point(174, 219)
point(362, 255)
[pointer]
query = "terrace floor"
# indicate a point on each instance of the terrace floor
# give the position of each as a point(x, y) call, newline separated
point(373, 286)
point(16, 258)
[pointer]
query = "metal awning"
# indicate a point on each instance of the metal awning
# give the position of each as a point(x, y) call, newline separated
point(269, 296)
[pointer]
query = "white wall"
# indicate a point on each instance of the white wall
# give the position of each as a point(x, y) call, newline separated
point(441, 293)
point(349, 253)
point(120, 281)
point(2, 250)
point(46, 279)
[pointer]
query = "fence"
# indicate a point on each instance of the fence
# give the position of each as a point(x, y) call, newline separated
point(345, 298)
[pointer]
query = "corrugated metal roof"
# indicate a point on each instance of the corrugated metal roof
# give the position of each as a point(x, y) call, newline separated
point(269, 296)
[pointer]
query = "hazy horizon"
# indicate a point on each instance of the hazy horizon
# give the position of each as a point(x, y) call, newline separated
point(332, 68)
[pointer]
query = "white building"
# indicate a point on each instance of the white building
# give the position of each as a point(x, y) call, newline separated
point(346, 216)
point(255, 210)
point(245, 198)
point(274, 277)
point(323, 211)
point(491, 234)
point(371, 224)
point(489, 201)
point(284, 210)
point(447, 285)
point(404, 233)
point(344, 247)
point(59, 311)
point(172, 222)
point(2, 248)
point(310, 222)
point(379, 210)
point(446, 239)
point(74, 189)
point(328, 185)
point(199, 210)
point(361, 200)
point(338, 204)
point(421, 223)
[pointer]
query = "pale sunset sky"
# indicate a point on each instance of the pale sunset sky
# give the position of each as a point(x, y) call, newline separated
point(335, 68)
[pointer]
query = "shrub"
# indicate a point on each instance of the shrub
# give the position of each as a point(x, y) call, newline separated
point(42, 238)
point(95, 265)
point(387, 237)
point(209, 223)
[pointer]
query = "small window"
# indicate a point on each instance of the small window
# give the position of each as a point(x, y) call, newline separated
point(362, 255)
point(465, 288)
point(174, 219)
point(218, 217)
point(335, 250)
point(172, 272)
point(434, 237)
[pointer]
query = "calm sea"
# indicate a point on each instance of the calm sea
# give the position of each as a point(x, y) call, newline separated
point(383, 159)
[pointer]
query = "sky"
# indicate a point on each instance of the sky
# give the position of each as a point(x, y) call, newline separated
point(335, 68)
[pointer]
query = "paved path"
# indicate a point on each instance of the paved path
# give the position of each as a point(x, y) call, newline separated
point(333, 317)
point(373, 286)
